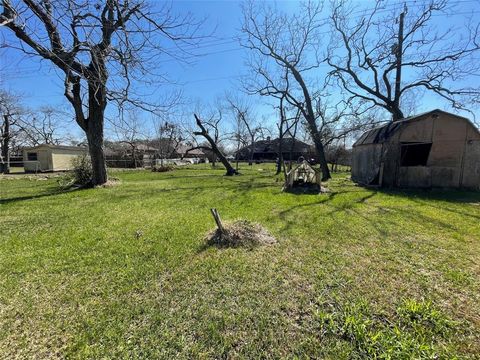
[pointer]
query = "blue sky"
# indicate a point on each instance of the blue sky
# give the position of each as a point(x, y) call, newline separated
point(217, 71)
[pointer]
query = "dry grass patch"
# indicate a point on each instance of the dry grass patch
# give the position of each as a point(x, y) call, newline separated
point(241, 233)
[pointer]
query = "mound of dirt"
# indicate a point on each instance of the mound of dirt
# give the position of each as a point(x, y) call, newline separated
point(241, 233)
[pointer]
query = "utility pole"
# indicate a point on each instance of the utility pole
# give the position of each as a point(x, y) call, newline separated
point(398, 78)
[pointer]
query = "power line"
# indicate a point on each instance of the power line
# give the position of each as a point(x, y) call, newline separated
point(218, 42)
point(224, 41)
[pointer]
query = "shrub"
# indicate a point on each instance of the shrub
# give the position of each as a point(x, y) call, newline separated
point(82, 170)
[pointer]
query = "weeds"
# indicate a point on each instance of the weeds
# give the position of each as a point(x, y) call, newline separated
point(116, 272)
point(418, 330)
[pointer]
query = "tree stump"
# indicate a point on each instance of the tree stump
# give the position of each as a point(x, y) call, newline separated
point(216, 216)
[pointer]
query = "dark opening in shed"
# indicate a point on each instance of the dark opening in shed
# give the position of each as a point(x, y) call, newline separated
point(415, 154)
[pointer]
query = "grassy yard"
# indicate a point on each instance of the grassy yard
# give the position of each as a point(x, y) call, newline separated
point(122, 272)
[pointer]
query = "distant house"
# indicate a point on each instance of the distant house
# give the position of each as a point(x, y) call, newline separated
point(172, 149)
point(146, 150)
point(124, 154)
point(434, 149)
point(124, 149)
point(120, 153)
point(182, 151)
point(265, 150)
point(51, 157)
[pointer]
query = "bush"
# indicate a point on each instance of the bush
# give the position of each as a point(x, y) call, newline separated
point(82, 171)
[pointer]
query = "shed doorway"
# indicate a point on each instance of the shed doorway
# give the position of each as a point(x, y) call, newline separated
point(414, 154)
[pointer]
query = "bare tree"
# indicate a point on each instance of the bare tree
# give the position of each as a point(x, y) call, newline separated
point(379, 61)
point(169, 139)
point(293, 134)
point(10, 112)
point(285, 50)
point(244, 115)
point(285, 126)
point(94, 44)
point(338, 154)
point(129, 131)
point(342, 119)
point(42, 126)
point(213, 126)
point(239, 136)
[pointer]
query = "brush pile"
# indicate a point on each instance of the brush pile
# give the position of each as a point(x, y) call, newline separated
point(241, 233)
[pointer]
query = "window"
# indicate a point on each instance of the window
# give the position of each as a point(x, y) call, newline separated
point(415, 154)
point(32, 156)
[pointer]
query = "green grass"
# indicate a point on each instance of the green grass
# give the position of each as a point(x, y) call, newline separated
point(357, 273)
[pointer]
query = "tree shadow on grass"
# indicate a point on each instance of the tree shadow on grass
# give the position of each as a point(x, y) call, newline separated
point(325, 198)
point(179, 177)
point(418, 197)
point(52, 192)
point(328, 197)
point(448, 195)
point(185, 191)
point(423, 198)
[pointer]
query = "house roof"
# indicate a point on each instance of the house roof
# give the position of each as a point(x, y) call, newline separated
point(143, 147)
point(57, 147)
point(182, 150)
point(382, 133)
point(271, 146)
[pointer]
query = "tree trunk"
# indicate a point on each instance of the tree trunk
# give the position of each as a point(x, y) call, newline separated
point(252, 151)
point(230, 170)
point(97, 157)
point(94, 132)
point(319, 147)
point(312, 125)
point(280, 152)
point(280, 138)
point(290, 155)
point(134, 153)
point(6, 145)
point(236, 156)
point(397, 114)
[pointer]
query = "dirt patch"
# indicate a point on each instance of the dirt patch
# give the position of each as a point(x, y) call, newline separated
point(241, 233)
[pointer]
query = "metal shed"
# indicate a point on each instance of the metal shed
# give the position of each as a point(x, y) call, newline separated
point(433, 149)
point(48, 157)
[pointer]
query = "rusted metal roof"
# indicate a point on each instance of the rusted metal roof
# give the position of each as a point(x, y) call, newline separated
point(382, 133)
